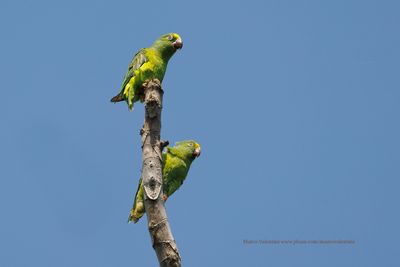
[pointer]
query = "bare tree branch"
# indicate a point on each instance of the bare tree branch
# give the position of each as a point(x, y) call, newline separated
point(160, 232)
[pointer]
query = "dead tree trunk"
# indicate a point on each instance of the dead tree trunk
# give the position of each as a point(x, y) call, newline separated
point(160, 232)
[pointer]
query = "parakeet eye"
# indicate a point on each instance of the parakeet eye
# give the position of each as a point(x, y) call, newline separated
point(170, 37)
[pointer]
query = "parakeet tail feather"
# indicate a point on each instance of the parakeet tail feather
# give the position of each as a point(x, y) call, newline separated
point(117, 98)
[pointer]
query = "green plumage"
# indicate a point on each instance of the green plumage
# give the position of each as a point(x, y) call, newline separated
point(147, 64)
point(176, 164)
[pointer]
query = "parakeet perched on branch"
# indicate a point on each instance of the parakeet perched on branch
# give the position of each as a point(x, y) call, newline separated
point(175, 166)
point(149, 63)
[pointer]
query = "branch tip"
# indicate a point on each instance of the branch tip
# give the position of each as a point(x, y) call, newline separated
point(163, 144)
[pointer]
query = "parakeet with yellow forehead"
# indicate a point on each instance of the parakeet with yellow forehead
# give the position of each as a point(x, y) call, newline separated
point(149, 63)
point(175, 167)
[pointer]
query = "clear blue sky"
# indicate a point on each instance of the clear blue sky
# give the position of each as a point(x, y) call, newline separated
point(295, 104)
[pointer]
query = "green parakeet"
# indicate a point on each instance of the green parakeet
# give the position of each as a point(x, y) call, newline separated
point(175, 166)
point(149, 63)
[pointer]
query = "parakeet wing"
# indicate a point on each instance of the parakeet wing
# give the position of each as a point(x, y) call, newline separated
point(138, 191)
point(174, 173)
point(138, 60)
point(137, 212)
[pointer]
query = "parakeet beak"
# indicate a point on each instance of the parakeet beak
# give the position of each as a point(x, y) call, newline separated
point(197, 152)
point(178, 43)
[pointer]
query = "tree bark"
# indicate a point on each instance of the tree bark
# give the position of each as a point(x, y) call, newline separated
point(162, 240)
